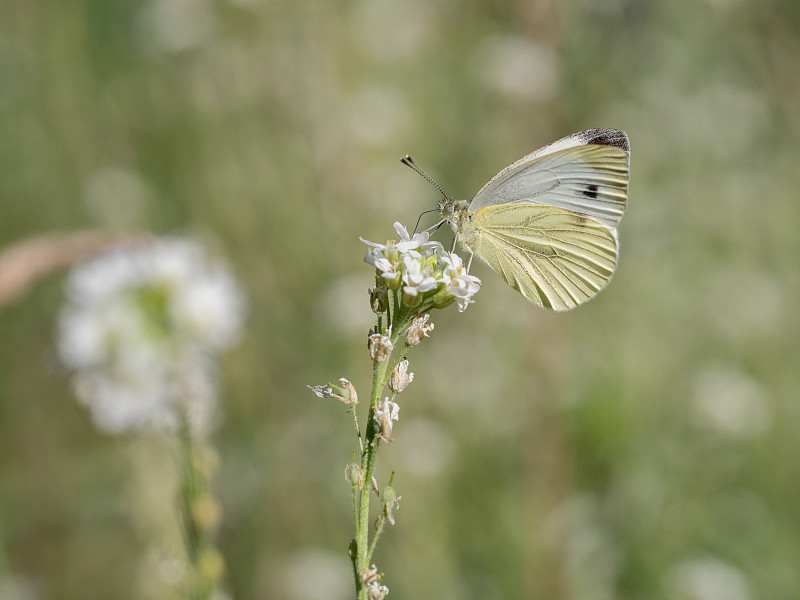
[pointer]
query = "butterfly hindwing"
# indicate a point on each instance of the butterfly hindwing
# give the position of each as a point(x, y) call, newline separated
point(556, 258)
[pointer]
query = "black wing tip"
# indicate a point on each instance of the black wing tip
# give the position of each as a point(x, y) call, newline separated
point(607, 137)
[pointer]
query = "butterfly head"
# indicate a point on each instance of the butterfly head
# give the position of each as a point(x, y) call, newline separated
point(451, 210)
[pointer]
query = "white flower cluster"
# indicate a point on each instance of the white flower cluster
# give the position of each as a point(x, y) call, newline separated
point(418, 266)
point(140, 331)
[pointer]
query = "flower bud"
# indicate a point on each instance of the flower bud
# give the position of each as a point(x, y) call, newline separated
point(206, 460)
point(394, 281)
point(378, 299)
point(412, 300)
point(388, 495)
point(206, 513)
point(443, 298)
point(348, 395)
point(210, 566)
point(400, 377)
point(390, 500)
point(354, 475)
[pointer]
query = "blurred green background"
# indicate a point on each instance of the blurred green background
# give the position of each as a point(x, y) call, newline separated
point(642, 447)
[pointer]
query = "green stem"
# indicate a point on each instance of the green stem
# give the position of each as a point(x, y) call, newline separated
point(361, 550)
point(378, 531)
point(205, 560)
point(189, 492)
point(355, 505)
point(358, 430)
point(369, 457)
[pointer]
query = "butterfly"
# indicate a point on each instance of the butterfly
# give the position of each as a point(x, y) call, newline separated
point(547, 224)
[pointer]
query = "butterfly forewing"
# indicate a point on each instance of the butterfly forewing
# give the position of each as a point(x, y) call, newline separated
point(554, 257)
point(585, 173)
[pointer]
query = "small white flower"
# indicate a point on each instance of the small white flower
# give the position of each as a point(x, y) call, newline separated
point(405, 244)
point(431, 248)
point(464, 287)
point(416, 279)
point(458, 282)
point(389, 258)
point(376, 258)
point(385, 413)
point(389, 269)
point(376, 591)
point(451, 261)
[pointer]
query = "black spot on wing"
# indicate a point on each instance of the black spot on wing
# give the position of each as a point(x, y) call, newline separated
point(590, 191)
point(607, 137)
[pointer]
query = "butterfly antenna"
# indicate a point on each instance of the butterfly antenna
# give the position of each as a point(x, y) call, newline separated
point(407, 161)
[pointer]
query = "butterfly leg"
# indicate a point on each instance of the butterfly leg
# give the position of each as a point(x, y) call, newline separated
point(433, 228)
point(453, 249)
point(453, 246)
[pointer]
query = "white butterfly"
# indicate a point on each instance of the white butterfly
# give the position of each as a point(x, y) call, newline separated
point(547, 224)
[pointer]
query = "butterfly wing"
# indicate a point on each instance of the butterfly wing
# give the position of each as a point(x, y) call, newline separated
point(586, 173)
point(556, 258)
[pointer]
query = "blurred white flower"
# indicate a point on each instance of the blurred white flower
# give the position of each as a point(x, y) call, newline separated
point(175, 25)
point(140, 331)
point(592, 560)
point(17, 587)
point(730, 402)
point(518, 67)
point(314, 574)
point(707, 578)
